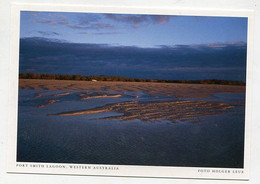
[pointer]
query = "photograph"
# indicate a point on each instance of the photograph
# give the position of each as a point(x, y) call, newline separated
point(132, 89)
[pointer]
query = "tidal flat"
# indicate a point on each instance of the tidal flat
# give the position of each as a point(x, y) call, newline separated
point(131, 123)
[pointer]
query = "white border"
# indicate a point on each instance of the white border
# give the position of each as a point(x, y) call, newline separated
point(123, 170)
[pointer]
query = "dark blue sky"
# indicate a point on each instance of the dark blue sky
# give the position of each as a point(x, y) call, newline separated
point(143, 46)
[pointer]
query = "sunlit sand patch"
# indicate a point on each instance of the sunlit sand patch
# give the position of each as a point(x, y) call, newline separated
point(174, 111)
point(48, 102)
point(75, 113)
point(101, 96)
point(62, 94)
point(38, 95)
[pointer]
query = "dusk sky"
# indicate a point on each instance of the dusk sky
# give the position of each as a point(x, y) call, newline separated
point(143, 46)
point(133, 30)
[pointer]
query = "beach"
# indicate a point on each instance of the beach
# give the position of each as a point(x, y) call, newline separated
point(178, 91)
point(131, 123)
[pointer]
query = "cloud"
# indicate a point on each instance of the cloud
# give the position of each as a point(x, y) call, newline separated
point(216, 45)
point(137, 20)
point(203, 61)
point(35, 14)
point(97, 21)
point(79, 23)
point(101, 25)
point(134, 20)
point(160, 19)
point(97, 26)
point(86, 19)
point(205, 46)
point(46, 21)
point(57, 15)
point(200, 69)
point(101, 33)
point(48, 33)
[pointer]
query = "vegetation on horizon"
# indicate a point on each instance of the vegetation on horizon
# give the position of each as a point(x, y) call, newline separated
point(122, 79)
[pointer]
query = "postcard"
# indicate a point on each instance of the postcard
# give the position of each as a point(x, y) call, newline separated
point(130, 92)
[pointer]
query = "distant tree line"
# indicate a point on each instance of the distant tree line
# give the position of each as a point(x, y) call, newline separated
point(122, 79)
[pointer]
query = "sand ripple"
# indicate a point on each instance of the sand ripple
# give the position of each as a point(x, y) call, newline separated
point(174, 111)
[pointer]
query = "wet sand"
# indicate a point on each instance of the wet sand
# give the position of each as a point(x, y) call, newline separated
point(178, 109)
point(101, 96)
point(178, 91)
point(157, 124)
point(48, 102)
point(62, 94)
point(175, 111)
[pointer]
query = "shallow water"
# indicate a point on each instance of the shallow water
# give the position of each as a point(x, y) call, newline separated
point(216, 142)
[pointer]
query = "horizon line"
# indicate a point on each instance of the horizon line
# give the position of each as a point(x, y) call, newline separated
point(128, 78)
point(192, 45)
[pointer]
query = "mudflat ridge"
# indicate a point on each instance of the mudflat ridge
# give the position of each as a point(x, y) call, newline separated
point(174, 111)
